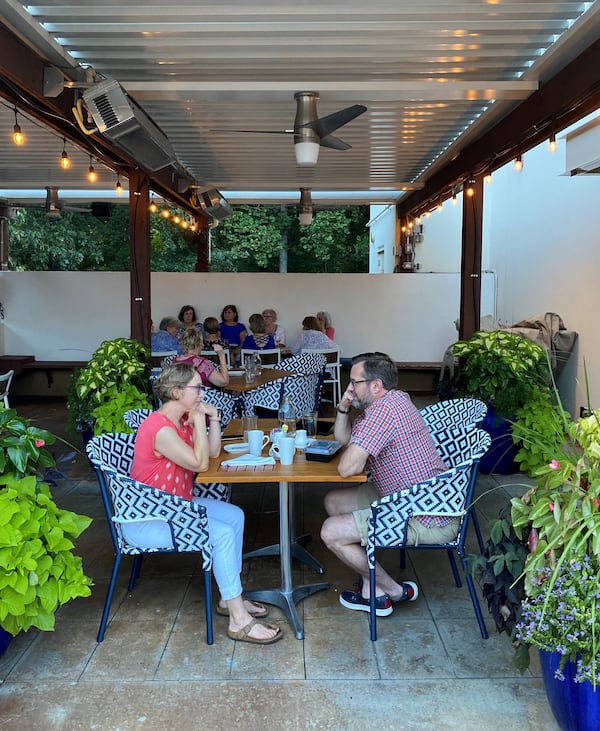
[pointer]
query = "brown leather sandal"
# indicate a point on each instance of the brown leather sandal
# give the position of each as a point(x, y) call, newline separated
point(243, 635)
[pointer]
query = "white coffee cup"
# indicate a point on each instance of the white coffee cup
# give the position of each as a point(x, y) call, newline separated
point(256, 441)
point(301, 439)
point(284, 450)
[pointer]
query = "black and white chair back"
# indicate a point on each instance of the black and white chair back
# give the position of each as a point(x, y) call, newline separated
point(449, 494)
point(128, 502)
point(461, 413)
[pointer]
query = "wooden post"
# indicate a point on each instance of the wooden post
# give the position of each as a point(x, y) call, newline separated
point(470, 268)
point(139, 254)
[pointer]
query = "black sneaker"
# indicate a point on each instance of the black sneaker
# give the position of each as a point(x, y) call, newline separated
point(354, 600)
point(410, 592)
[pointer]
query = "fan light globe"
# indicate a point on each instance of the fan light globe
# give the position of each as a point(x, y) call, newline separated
point(307, 153)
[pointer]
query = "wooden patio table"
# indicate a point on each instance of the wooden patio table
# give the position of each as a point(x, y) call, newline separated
point(267, 375)
point(286, 595)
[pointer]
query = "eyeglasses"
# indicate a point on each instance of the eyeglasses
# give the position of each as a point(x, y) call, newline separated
point(199, 388)
point(353, 381)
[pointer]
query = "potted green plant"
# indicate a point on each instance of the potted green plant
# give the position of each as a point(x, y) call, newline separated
point(560, 614)
point(38, 569)
point(115, 379)
point(503, 370)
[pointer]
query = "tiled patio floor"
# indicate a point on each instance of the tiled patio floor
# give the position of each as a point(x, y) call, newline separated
point(429, 670)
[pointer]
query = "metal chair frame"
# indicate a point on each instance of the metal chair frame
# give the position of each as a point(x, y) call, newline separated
point(128, 501)
point(5, 381)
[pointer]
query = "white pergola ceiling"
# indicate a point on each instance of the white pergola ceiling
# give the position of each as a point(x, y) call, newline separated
point(432, 75)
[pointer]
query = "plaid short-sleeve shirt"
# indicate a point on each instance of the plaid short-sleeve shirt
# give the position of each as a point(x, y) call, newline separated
point(401, 450)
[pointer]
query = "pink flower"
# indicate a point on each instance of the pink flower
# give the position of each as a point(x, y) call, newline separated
point(596, 502)
point(39, 442)
point(554, 465)
point(551, 507)
point(532, 541)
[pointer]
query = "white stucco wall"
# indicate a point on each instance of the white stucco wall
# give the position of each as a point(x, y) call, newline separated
point(66, 315)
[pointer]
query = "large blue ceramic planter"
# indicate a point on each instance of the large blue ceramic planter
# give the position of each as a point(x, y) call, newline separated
point(5, 638)
point(576, 706)
point(500, 457)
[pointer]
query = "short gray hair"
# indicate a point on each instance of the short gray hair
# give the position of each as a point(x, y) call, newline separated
point(176, 375)
point(168, 322)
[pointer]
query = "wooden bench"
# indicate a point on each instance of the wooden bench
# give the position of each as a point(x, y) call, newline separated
point(418, 376)
point(27, 363)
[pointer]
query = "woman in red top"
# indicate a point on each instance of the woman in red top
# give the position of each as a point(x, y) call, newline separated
point(171, 445)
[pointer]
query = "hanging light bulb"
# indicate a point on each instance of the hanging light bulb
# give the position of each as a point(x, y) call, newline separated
point(92, 176)
point(470, 189)
point(65, 160)
point(518, 163)
point(184, 224)
point(18, 136)
point(176, 219)
point(439, 206)
point(454, 197)
point(488, 178)
point(152, 207)
point(118, 186)
point(552, 143)
point(165, 213)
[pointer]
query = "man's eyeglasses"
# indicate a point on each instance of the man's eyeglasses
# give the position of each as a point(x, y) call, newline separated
point(199, 388)
point(353, 381)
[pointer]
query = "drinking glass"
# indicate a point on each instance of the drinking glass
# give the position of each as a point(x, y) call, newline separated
point(249, 423)
point(309, 422)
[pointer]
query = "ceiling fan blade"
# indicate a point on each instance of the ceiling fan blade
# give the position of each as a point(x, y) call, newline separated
point(257, 131)
point(334, 143)
point(324, 126)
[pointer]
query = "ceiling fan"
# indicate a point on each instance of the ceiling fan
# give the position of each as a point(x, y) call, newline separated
point(311, 132)
point(54, 205)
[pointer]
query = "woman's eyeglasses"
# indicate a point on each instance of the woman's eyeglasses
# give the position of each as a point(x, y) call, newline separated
point(199, 389)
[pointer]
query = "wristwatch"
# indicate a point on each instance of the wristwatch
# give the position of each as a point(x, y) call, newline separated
point(342, 411)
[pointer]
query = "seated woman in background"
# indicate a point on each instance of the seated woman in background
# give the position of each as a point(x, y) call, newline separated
point(274, 328)
point(187, 319)
point(212, 334)
point(171, 445)
point(232, 330)
point(259, 340)
point(312, 337)
point(324, 319)
point(164, 340)
point(191, 345)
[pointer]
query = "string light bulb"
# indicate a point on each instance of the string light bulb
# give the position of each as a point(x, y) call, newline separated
point(152, 207)
point(18, 136)
point(552, 143)
point(518, 163)
point(488, 178)
point(454, 197)
point(65, 160)
point(176, 219)
point(470, 189)
point(439, 206)
point(165, 213)
point(92, 176)
point(118, 186)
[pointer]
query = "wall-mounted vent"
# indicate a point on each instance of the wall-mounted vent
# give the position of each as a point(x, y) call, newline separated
point(124, 122)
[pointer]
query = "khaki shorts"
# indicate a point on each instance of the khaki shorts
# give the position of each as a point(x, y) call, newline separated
point(417, 532)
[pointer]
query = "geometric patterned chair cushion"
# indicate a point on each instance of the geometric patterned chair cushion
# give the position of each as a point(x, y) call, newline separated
point(304, 391)
point(447, 494)
point(266, 397)
point(134, 417)
point(223, 401)
point(304, 363)
point(454, 413)
point(128, 502)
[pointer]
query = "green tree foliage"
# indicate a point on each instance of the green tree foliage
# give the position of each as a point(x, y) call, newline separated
point(248, 241)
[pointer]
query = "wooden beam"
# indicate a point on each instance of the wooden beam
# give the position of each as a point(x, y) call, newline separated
point(470, 265)
point(139, 249)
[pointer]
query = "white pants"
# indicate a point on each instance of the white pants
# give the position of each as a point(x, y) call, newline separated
point(226, 533)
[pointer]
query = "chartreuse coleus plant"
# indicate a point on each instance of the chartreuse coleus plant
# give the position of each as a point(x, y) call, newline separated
point(38, 569)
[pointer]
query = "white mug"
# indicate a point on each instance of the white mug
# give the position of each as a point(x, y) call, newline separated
point(256, 441)
point(284, 450)
point(301, 439)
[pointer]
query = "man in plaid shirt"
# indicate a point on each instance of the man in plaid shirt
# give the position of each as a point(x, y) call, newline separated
point(389, 439)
